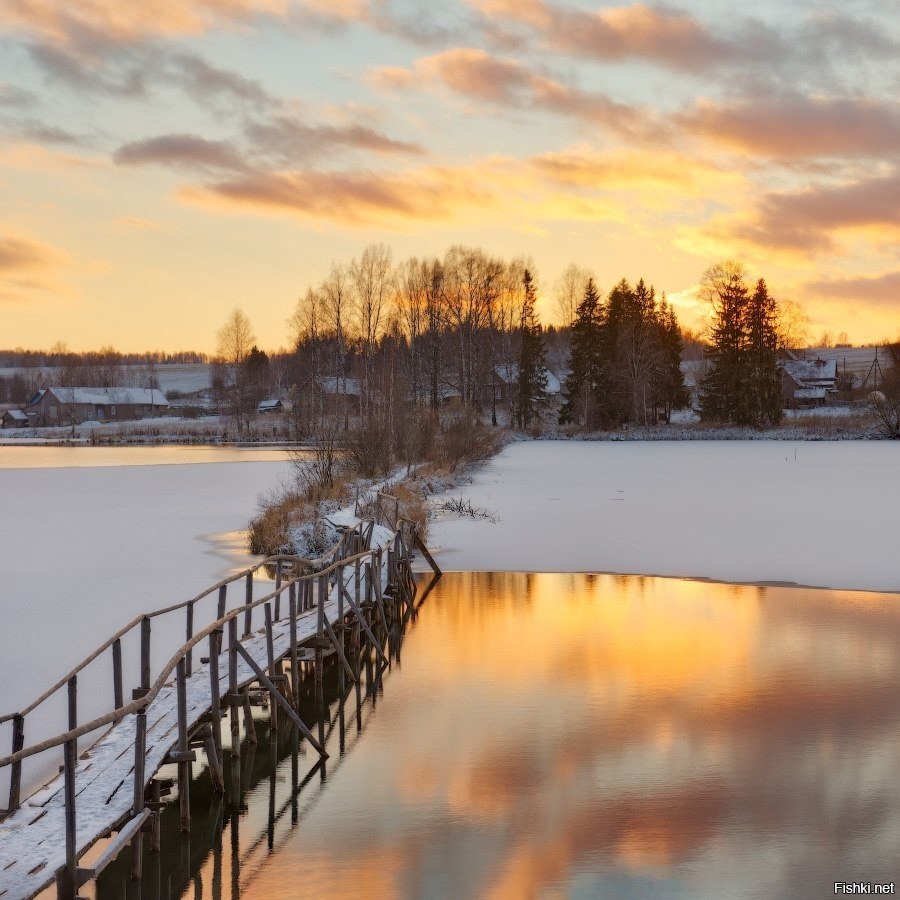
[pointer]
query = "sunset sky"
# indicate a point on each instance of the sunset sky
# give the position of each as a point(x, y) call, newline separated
point(164, 161)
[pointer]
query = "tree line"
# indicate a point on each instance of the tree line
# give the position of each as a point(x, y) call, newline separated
point(463, 330)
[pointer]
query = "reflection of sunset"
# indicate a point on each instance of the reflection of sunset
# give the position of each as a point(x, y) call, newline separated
point(547, 731)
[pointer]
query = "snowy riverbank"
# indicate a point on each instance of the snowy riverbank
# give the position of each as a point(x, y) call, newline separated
point(820, 514)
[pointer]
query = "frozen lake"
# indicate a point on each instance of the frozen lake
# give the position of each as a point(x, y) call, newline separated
point(91, 537)
point(812, 513)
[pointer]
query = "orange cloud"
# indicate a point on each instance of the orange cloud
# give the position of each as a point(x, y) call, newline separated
point(27, 265)
point(798, 125)
point(66, 23)
point(477, 75)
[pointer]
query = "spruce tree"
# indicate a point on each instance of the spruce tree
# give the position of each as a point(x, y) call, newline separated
point(532, 378)
point(672, 391)
point(584, 383)
point(722, 394)
point(743, 384)
point(763, 388)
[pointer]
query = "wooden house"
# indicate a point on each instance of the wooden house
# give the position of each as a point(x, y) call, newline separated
point(73, 405)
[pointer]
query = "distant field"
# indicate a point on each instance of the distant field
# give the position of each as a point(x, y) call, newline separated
point(857, 360)
point(185, 377)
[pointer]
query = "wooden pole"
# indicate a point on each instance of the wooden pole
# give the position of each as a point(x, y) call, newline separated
point(278, 590)
point(188, 634)
point(140, 749)
point(220, 609)
point(248, 600)
point(118, 698)
point(15, 772)
point(184, 765)
point(215, 641)
point(145, 659)
point(295, 666)
point(67, 886)
point(270, 660)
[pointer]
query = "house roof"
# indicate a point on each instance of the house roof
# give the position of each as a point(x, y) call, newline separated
point(334, 384)
point(509, 373)
point(126, 396)
point(273, 403)
point(16, 414)
point(821, 372)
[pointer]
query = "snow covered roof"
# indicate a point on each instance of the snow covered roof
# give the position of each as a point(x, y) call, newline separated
point(103, 396)
point(333, 384)
point(810, 393)
point(265, 405)
point(17, 415)
point(810, 371)
point(509, 373)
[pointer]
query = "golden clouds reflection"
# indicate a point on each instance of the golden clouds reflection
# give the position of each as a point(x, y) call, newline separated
point(547, 731)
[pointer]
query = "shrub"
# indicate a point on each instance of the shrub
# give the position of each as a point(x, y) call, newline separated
point(466, 440)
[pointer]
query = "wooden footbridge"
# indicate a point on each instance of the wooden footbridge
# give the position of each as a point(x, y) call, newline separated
point(254, 647)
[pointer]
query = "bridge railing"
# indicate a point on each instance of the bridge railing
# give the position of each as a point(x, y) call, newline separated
point(352, 547)
point(310, 585)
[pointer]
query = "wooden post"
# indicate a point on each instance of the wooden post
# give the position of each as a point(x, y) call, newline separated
point(140, 749)
point(184, 766)
point(15, 771)
point(248, 599)
point(249, 727)
point(323, 592)
point(189, 633)
point(156, 804)
point(233, 698)
point(220, 611)
point(118, 698)
point(215, 641)
point(72, 685)
point(145, 658)
point(278, 591)
point(67, 887)
point(270, 659)
point(214, 757)
point(292, 637)
point(356, 579)
point(340, 593)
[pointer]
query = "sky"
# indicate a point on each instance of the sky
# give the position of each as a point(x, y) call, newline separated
point(164, 162)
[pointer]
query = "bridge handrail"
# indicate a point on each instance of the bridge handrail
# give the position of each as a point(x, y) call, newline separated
point(317, 569)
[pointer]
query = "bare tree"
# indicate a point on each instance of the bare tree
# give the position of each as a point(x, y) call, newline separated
point(235, 341)
point(568, 291)
point(371, 276)
point(793, 326)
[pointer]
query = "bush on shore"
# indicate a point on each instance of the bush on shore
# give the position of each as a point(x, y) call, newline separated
point(345, 462)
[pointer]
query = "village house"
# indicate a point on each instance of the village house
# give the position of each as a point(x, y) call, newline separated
point(272, 405)
point(807, 382)
point(73, 405)
point(15, 418)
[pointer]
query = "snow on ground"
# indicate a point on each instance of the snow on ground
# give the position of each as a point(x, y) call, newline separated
point(815, 513)
point(85, 550)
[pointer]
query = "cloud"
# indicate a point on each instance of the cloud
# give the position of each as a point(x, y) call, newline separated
point(667, 37)
point(674, 39)
point(69, 24)
point(181, 151)
point(879, 290)
point(202, 81)
point(28, 265)
point(806, 219)
point(14, 96)
point(348, 198)
point(477, 75)
point(793, 125)
point(287, 140)
point(650, 170)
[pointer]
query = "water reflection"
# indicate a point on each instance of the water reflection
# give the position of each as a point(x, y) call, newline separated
point(585, 736)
